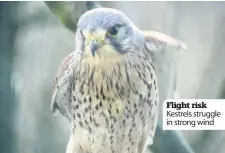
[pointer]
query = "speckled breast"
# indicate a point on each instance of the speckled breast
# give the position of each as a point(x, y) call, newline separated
point(115, 106)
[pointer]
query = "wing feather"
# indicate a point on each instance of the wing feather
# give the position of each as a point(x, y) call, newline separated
point(63, 84)
point(155, 40)
point(165, 51)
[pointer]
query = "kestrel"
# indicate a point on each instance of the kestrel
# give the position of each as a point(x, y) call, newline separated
point(107, 88)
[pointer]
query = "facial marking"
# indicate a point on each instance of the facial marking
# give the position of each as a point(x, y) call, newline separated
point(104, 43)
point(98, 35)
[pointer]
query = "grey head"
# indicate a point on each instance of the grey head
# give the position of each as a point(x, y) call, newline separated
point(107, 32)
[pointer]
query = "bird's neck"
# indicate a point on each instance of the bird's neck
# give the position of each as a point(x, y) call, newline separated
point(102, 63)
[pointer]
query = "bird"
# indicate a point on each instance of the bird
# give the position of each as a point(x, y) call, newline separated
point(107, 88)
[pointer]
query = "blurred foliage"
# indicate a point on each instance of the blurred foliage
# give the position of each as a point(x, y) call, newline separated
point(222, 93)
point(70, 12)
point(169, 141)
point(8, 30)
point(60, 9)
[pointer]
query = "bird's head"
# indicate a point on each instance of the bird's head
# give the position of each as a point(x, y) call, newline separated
point(107, 33)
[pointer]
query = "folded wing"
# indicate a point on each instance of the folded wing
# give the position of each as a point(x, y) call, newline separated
point(63, 84)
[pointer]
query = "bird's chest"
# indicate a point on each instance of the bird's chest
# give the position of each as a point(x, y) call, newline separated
point(113, 105)
point(110, 86)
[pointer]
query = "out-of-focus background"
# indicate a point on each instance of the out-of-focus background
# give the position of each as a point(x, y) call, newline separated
point(33, 42)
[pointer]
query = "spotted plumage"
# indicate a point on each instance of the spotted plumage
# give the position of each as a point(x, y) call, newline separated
point(107, 88)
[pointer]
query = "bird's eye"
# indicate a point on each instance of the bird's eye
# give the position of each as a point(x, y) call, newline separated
point(113, 31)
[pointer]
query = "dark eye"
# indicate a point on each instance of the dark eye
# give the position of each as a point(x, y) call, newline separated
point(113, 31)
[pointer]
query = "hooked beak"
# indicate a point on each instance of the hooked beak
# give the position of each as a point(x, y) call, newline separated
point(95, 45)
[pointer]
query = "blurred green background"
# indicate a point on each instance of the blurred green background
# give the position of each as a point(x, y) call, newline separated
point(36, 36)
